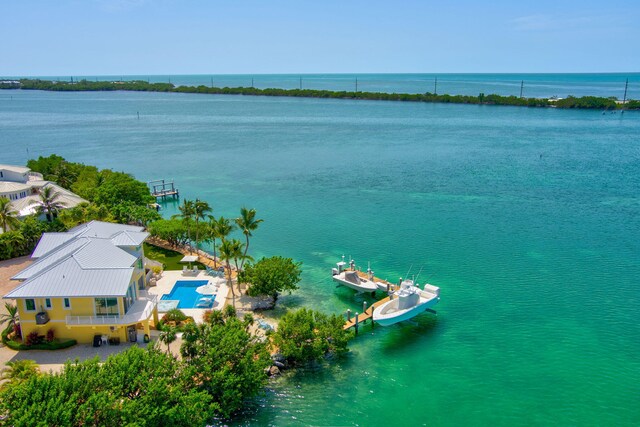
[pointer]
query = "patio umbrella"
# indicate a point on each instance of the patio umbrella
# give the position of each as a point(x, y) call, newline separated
point(189, 259)
point(208, 289)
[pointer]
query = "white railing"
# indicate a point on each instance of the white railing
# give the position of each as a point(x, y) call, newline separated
point(133, 316)
point(34, 176)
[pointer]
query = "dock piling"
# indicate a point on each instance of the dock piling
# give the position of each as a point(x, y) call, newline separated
point(356, 325)
point(348, 315)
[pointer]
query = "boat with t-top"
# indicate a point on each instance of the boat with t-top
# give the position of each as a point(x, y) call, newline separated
point(406, 302)
point(355, 279)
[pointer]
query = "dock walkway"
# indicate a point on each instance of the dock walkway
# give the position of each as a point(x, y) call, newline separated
point(368, 314)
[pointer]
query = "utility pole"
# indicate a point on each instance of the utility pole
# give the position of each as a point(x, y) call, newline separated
point(521, 87)
point(356, 85)
point(626, 85)
point(435, 86)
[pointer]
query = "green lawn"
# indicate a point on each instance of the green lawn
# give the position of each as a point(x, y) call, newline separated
point(170, 259)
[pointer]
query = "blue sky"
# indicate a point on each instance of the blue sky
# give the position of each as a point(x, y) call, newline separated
point(89, 37)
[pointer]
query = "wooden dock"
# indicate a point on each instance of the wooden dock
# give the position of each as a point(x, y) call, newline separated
point(361, 317)
point(161, 189)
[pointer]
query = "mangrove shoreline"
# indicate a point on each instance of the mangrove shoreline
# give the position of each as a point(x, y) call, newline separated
point(584, 102)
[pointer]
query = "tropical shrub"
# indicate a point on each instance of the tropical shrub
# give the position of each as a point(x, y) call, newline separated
point(271, 276)
point(304, 336)
point(226, 361)
point(143, 387)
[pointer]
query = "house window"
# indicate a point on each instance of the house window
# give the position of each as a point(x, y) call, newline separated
point(30, 304)
point(1, 176)
point(106, 306)
point(140, 263)
point(47, 302)
point(67, 303)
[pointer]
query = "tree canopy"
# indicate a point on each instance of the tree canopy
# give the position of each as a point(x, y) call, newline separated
point(135, 387)
point(225, 360)
point(113, 197)
point(271, 276)
point(305, 336)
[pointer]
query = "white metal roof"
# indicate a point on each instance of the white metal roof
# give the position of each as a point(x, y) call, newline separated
point(100, 253)
point(49, 242)
point(129, 238)
point(102, 229)
point(51, 258)
point(77, 264)
point(12, 187)
point(68, 279)
point(17, 169)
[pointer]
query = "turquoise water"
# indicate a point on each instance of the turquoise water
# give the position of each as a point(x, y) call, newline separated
point(534, 85)
point(528, 220)
point(185, 292)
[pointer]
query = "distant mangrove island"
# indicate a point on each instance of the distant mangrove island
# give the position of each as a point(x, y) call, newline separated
point(584, 102)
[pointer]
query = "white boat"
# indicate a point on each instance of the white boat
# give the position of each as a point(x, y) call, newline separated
point(350, 278)
point(406, 302)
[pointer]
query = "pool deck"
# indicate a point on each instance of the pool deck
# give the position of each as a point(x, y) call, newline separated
point(169, 279)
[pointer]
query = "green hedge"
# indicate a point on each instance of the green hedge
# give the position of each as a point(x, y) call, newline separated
point(54, 345)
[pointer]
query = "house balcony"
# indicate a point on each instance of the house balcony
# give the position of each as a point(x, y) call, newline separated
point(139, 311)
point(34, 176)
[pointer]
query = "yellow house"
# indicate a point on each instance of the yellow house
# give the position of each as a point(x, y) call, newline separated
point(87, 282)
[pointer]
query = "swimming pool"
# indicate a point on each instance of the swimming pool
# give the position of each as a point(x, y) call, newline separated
point(184, 291)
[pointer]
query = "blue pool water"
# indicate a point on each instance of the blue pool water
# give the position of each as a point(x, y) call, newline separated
point(185, 292)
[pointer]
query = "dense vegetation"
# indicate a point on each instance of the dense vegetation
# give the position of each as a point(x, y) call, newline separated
point(305, 336)
point(135, 387)
point(588, 102)
point(116, 196)
point(271, 276)
point(222, 365)
point(21, 240)
point(112, 196)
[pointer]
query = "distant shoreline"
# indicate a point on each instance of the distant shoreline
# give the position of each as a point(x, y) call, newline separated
point(584, 102)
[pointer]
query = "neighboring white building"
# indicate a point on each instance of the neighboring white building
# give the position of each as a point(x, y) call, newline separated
point(22, 186)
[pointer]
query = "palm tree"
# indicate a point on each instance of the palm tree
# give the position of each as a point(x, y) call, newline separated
point(219, 229)
point(10, 317)
point(64, 176)
point(247, 222)
point(14, 243)
point(238, 255)
point(49, 203)
point(20, 370)
point(227, 253)
point(8, 217)
point(200, 209)
point(167, 336)
point(186, 214)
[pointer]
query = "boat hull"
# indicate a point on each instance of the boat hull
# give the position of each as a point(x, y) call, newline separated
point(394, 317)
point(363, 286)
